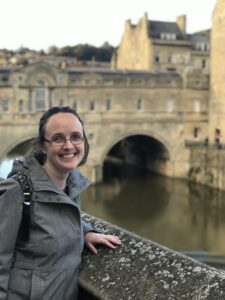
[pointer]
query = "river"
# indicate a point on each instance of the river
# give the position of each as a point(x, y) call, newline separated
point(183, 216)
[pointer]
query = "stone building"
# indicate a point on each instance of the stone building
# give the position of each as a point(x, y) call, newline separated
point(162, 46)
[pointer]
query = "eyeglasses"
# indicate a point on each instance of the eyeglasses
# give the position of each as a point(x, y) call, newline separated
point(60, 139)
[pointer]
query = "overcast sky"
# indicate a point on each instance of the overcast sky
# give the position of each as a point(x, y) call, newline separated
point(39, 24)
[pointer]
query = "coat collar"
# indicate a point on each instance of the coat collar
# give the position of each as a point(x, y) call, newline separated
point(77, 183)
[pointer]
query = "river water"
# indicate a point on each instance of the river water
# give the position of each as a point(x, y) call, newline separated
point(175, 213)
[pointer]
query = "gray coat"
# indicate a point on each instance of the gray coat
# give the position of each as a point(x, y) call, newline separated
point(45, 267)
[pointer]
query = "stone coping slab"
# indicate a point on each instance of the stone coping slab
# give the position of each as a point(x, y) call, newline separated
point(142, 269)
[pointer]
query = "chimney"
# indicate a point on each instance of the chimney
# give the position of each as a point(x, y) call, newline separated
point(181, 23)
point(127, 25)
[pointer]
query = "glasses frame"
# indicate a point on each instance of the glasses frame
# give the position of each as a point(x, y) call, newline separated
point(78, 142)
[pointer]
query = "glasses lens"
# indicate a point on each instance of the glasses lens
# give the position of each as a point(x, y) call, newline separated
point(76, 138)
point(58, 139)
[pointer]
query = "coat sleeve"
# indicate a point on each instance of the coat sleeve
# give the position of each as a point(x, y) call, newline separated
point(87, 227)
point(11, 204)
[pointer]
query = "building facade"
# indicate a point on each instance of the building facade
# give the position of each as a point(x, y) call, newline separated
point(162, 46)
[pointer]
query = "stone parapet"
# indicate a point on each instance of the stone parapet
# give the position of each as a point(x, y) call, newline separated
point(142, 269)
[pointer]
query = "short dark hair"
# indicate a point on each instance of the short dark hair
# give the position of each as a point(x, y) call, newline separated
point(41, 133)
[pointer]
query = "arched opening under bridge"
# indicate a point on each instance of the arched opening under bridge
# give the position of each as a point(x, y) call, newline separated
point(143, 152)
point(15, 151)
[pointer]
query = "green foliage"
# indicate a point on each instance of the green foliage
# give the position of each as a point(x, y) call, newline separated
point(85, 52)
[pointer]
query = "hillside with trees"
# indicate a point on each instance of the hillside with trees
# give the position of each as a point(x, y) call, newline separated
point(80, 52)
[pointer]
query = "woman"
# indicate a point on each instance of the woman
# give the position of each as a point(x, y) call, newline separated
point(45, 266)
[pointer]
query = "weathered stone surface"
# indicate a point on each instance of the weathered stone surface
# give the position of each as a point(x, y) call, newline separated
point(207, 166)
point(142, 269)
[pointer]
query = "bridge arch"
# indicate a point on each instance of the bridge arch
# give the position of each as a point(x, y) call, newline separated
point(16, 142)
point(123, 135)
point(160, 162)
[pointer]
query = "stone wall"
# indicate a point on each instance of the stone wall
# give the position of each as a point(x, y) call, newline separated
point(207, 166)
point(135, 50)
point(217, 74)
point(142, 270)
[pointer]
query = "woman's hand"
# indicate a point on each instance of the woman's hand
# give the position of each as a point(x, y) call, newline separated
point(91, 239)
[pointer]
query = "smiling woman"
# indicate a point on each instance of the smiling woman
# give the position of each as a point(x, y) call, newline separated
point(50, 255)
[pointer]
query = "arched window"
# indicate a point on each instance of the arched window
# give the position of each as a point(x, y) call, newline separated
point(40, 96)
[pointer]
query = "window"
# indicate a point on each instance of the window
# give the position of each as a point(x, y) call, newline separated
point(206, 47)
point(21, 105)
point(61, 102)
point(40, 95)
point(203, 63)
point(109, 81)
point(169, 105)
point(157, 57)
point(197, 106)
point(168, 36)
point(5, 78)
point(108, 104)
point(170, 58)
point(5, 105)
point(92, 105)
point(217, 136)
point(202, 46)
point(173, 36)
point(139, 104)
point(30, 103)
point(195, 132)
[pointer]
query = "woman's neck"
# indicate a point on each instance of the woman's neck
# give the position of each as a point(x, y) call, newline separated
point(58, 178)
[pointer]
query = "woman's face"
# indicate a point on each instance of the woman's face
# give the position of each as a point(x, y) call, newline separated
point(63, 157)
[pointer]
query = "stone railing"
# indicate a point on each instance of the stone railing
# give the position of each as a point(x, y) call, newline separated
point(203, 144)
point(143, 270)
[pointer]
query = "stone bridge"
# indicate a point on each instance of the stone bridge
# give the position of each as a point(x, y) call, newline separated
point(138, 118)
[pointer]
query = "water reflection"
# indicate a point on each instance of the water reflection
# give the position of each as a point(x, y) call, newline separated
point(20, 150)
point(174, 213)
point(5, 167)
